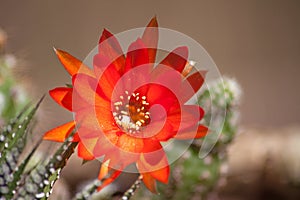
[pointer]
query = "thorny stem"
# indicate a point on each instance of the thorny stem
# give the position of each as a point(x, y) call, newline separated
point(130, 192)
point(66, 155)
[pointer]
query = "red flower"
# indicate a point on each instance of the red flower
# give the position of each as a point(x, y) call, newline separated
point(125, 107)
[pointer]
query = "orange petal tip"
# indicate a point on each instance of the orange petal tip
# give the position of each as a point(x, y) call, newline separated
point(60, 133)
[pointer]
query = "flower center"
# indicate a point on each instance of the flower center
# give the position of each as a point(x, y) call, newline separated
point(131, 112)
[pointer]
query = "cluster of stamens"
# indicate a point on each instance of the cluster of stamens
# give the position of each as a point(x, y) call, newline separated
point(131, 112)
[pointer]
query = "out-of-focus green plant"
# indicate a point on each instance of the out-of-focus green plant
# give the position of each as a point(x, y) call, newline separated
point(16, 180)
point(19, 178)
point(12, 95)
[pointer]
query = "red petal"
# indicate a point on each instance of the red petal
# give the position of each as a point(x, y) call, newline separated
point(84, 149)
point(166, 132)
point(118, 149)
point(137, 55)
point(187, 116)
point(85, 132)
point(106, 144)
point(133, 79)
point(181, 120)
point(161, 95)
point(149, 182)
point(106, 119)
point(107, 76)
point(104, 170)
point(196, 80)
point(191, 85)
point(176, 59)
point(150, 39)
point(162, 174)
point(160, 171)
point(130, 144)
point(201, 132)
point(96, 118)
point(85, 88)
point(76, 137)
point(152, 157)
point(100, 63)
point(110, 47)
point(109, 180)
point(72, 64)
point(63, 96)
point(159, 128)
point(60, 133)
point(168, 77)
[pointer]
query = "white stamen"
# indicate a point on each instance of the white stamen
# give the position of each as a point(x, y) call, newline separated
point(124, 112)
point(138, 123)
point(122, 115)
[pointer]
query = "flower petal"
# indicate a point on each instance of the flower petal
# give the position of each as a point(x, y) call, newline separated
point(110, 47)
point(161, 95)
point(76, 137)
point(106, 144)
point(60, 133)
point(179, 120)
point(63, 96)
point(72, 64)
point(191, 85)
point(168, 77)
point(151, 158)
point(85, 132)
point(137, 55)
point(150, 39)
point(85, 87)
point(84, 149)
point(130, 144)
point(196, 80)
point(104, 170)
point(118, 149)
point(154, 162)
point(107, 76)
point(96, 118)
point(110, 179)
point(167, 132)
point(187, 117)
point(160, 171)
point(162, 174)
point(192, 134)
point(176, 59)
point(149, 182)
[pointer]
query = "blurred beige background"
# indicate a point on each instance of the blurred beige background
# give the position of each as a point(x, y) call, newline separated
point(257, 42)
